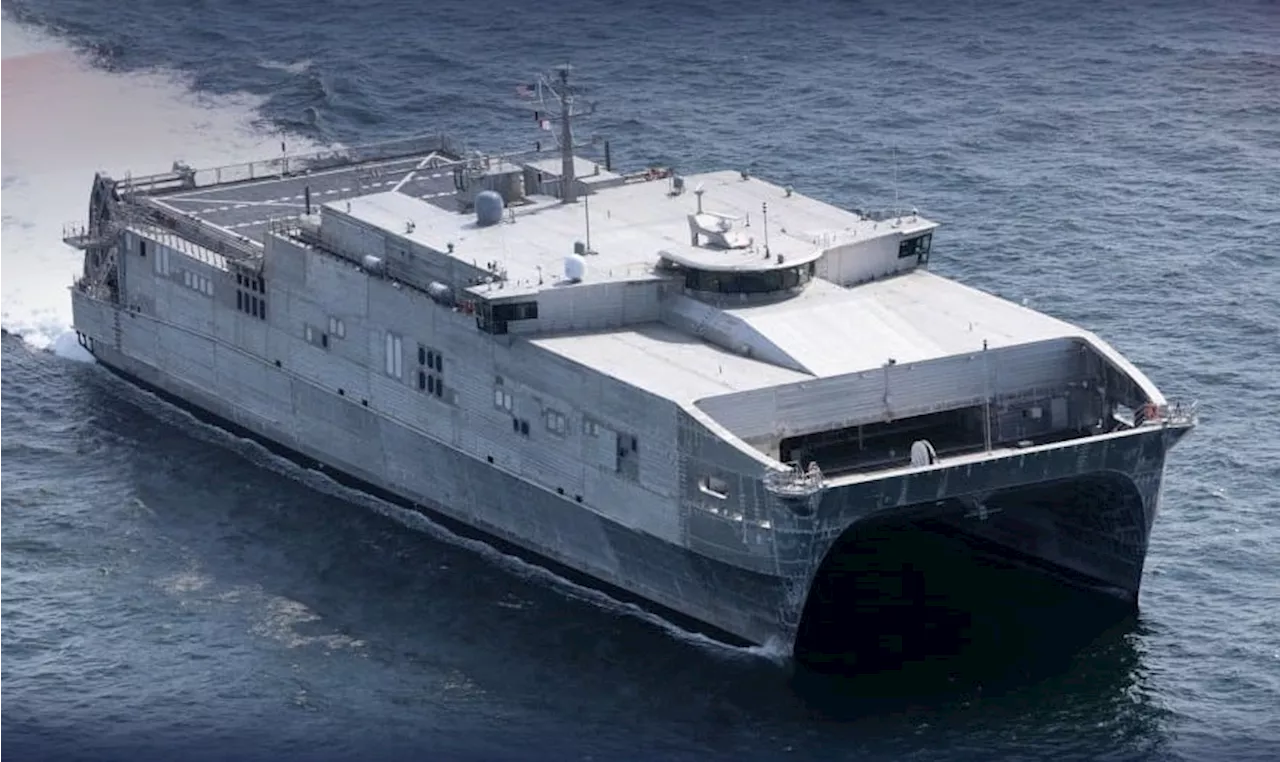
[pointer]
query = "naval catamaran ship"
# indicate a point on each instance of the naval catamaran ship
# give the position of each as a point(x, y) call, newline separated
point(693, 389)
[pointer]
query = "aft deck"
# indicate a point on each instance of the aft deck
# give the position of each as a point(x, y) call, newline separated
point(241, 200)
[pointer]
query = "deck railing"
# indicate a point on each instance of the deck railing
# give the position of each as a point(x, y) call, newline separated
point(184, 177)
point(1177, 413)
point(1180, 413)
point(795, 481)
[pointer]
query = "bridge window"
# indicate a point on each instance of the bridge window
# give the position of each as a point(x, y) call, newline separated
point(916, 247)
point(515, 311)
point(759, 282)
point(493, 318)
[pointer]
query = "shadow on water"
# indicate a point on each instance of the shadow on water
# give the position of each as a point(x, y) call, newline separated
point(906, 613)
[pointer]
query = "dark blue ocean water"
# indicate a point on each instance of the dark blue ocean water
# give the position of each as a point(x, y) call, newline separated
point(172, 592)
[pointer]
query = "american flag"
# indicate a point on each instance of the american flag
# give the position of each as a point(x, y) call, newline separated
point(525, 91)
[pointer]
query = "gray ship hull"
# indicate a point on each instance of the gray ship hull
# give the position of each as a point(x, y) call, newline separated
point(1081, 510)
point(687, 588)
point(659, 422)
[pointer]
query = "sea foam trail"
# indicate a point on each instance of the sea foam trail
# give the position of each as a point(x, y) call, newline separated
point(64, 119)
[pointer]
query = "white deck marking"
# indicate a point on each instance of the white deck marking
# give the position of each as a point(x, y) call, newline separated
point(277, 179)
point(426, 162)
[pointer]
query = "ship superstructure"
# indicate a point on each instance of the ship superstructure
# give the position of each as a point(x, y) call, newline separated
point(688, 387)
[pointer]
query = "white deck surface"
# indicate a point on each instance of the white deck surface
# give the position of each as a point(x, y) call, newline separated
point(630, 226)
point(831, 330)
point(662, 360)
point(827, 330)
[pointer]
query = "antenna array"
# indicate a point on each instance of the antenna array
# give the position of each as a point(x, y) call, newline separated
point(557, 103)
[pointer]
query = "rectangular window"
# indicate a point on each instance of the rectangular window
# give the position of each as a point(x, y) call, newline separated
point(336, 328)
point(503, 400)
point(918, 246)
point(161, 260)
point(186, 278)
point(590, 427)
point(142, 246)
point(395, 359)
point(556, 422)
point(434, 360)
point(628, 461)
point(515, 311)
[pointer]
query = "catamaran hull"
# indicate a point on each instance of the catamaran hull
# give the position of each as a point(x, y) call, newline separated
point(1081, 511)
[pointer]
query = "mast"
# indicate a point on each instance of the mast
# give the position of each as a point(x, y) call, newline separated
point(568, 193)
point(556, 87)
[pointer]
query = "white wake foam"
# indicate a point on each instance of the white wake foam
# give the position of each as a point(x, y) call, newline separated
point(64, 119)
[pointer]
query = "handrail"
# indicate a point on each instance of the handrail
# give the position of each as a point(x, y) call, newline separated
point(182, 176)
point(452, 152)
point(1176, 413)
point(1181, 413)
point(795, 481)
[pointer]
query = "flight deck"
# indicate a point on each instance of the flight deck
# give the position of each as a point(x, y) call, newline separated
point(243, 199)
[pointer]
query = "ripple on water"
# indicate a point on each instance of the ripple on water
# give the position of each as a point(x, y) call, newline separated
point(1107, 164)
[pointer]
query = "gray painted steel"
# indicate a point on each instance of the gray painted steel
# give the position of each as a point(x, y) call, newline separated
point(312, 345)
